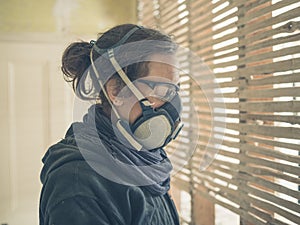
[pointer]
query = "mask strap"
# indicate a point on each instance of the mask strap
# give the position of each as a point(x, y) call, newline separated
point(102, 86)
point(101, 51)
point(124, 77)
point(119, 124)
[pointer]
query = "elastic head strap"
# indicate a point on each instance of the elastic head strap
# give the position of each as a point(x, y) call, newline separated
point(126, 80)
point(101, 51)
point(98, 80)
point(119, 125)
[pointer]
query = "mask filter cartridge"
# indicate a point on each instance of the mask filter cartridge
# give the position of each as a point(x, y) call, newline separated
point(157, 127)
point(153, 132)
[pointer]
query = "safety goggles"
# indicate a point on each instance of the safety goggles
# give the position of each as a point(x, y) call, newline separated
point(158, 89)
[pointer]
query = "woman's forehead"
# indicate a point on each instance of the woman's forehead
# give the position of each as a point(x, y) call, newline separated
point(163, 67)
point(169, 59)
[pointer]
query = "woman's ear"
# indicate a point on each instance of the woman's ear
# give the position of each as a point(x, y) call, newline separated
point(118, 101)
point(112, 91)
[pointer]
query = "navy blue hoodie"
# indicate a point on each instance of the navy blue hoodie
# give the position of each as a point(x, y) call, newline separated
point(74, 193)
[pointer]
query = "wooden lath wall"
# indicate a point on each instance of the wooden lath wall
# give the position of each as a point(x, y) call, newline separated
point(253, 50)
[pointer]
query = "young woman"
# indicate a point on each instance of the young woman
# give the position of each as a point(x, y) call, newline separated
point(111, 168)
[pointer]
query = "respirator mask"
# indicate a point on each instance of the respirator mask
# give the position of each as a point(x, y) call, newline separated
point(156, 127)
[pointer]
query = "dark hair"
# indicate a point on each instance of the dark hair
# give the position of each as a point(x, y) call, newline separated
point(76, 58)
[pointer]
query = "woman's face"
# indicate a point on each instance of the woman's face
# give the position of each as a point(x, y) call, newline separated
point(161, 68)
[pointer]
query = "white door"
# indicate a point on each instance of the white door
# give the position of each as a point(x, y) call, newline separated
point(35, 109)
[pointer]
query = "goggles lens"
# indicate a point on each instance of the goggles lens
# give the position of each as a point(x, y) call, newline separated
point(162, 90)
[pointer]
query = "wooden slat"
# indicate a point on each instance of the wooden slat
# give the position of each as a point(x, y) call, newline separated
point(271, 153)
point(276, 166)
point(291, 14)
point(273, 143)
point(268, 172)
point(238, 4)
point(249, 189)
point(272, 131)
point(268, 184)
point(231, 170)
point(260, 57)
point(259, 45)
point(292, 78)
point(175, 28)
point(262, 162)
point(288, 106)
point(266, 10)
point(268, 131)
point(168, 8)
point(268, 197)
point(177, 31)
point(275, 209)
point(246, 30)
point(274, 118)
point(246, 211)
point(250, 42)
point(286, 65)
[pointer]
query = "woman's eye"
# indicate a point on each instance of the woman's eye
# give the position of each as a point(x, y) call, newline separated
point(171, 92)
point(161, 91)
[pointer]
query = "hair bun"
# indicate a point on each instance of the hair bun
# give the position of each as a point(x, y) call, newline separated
point(75, 61)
